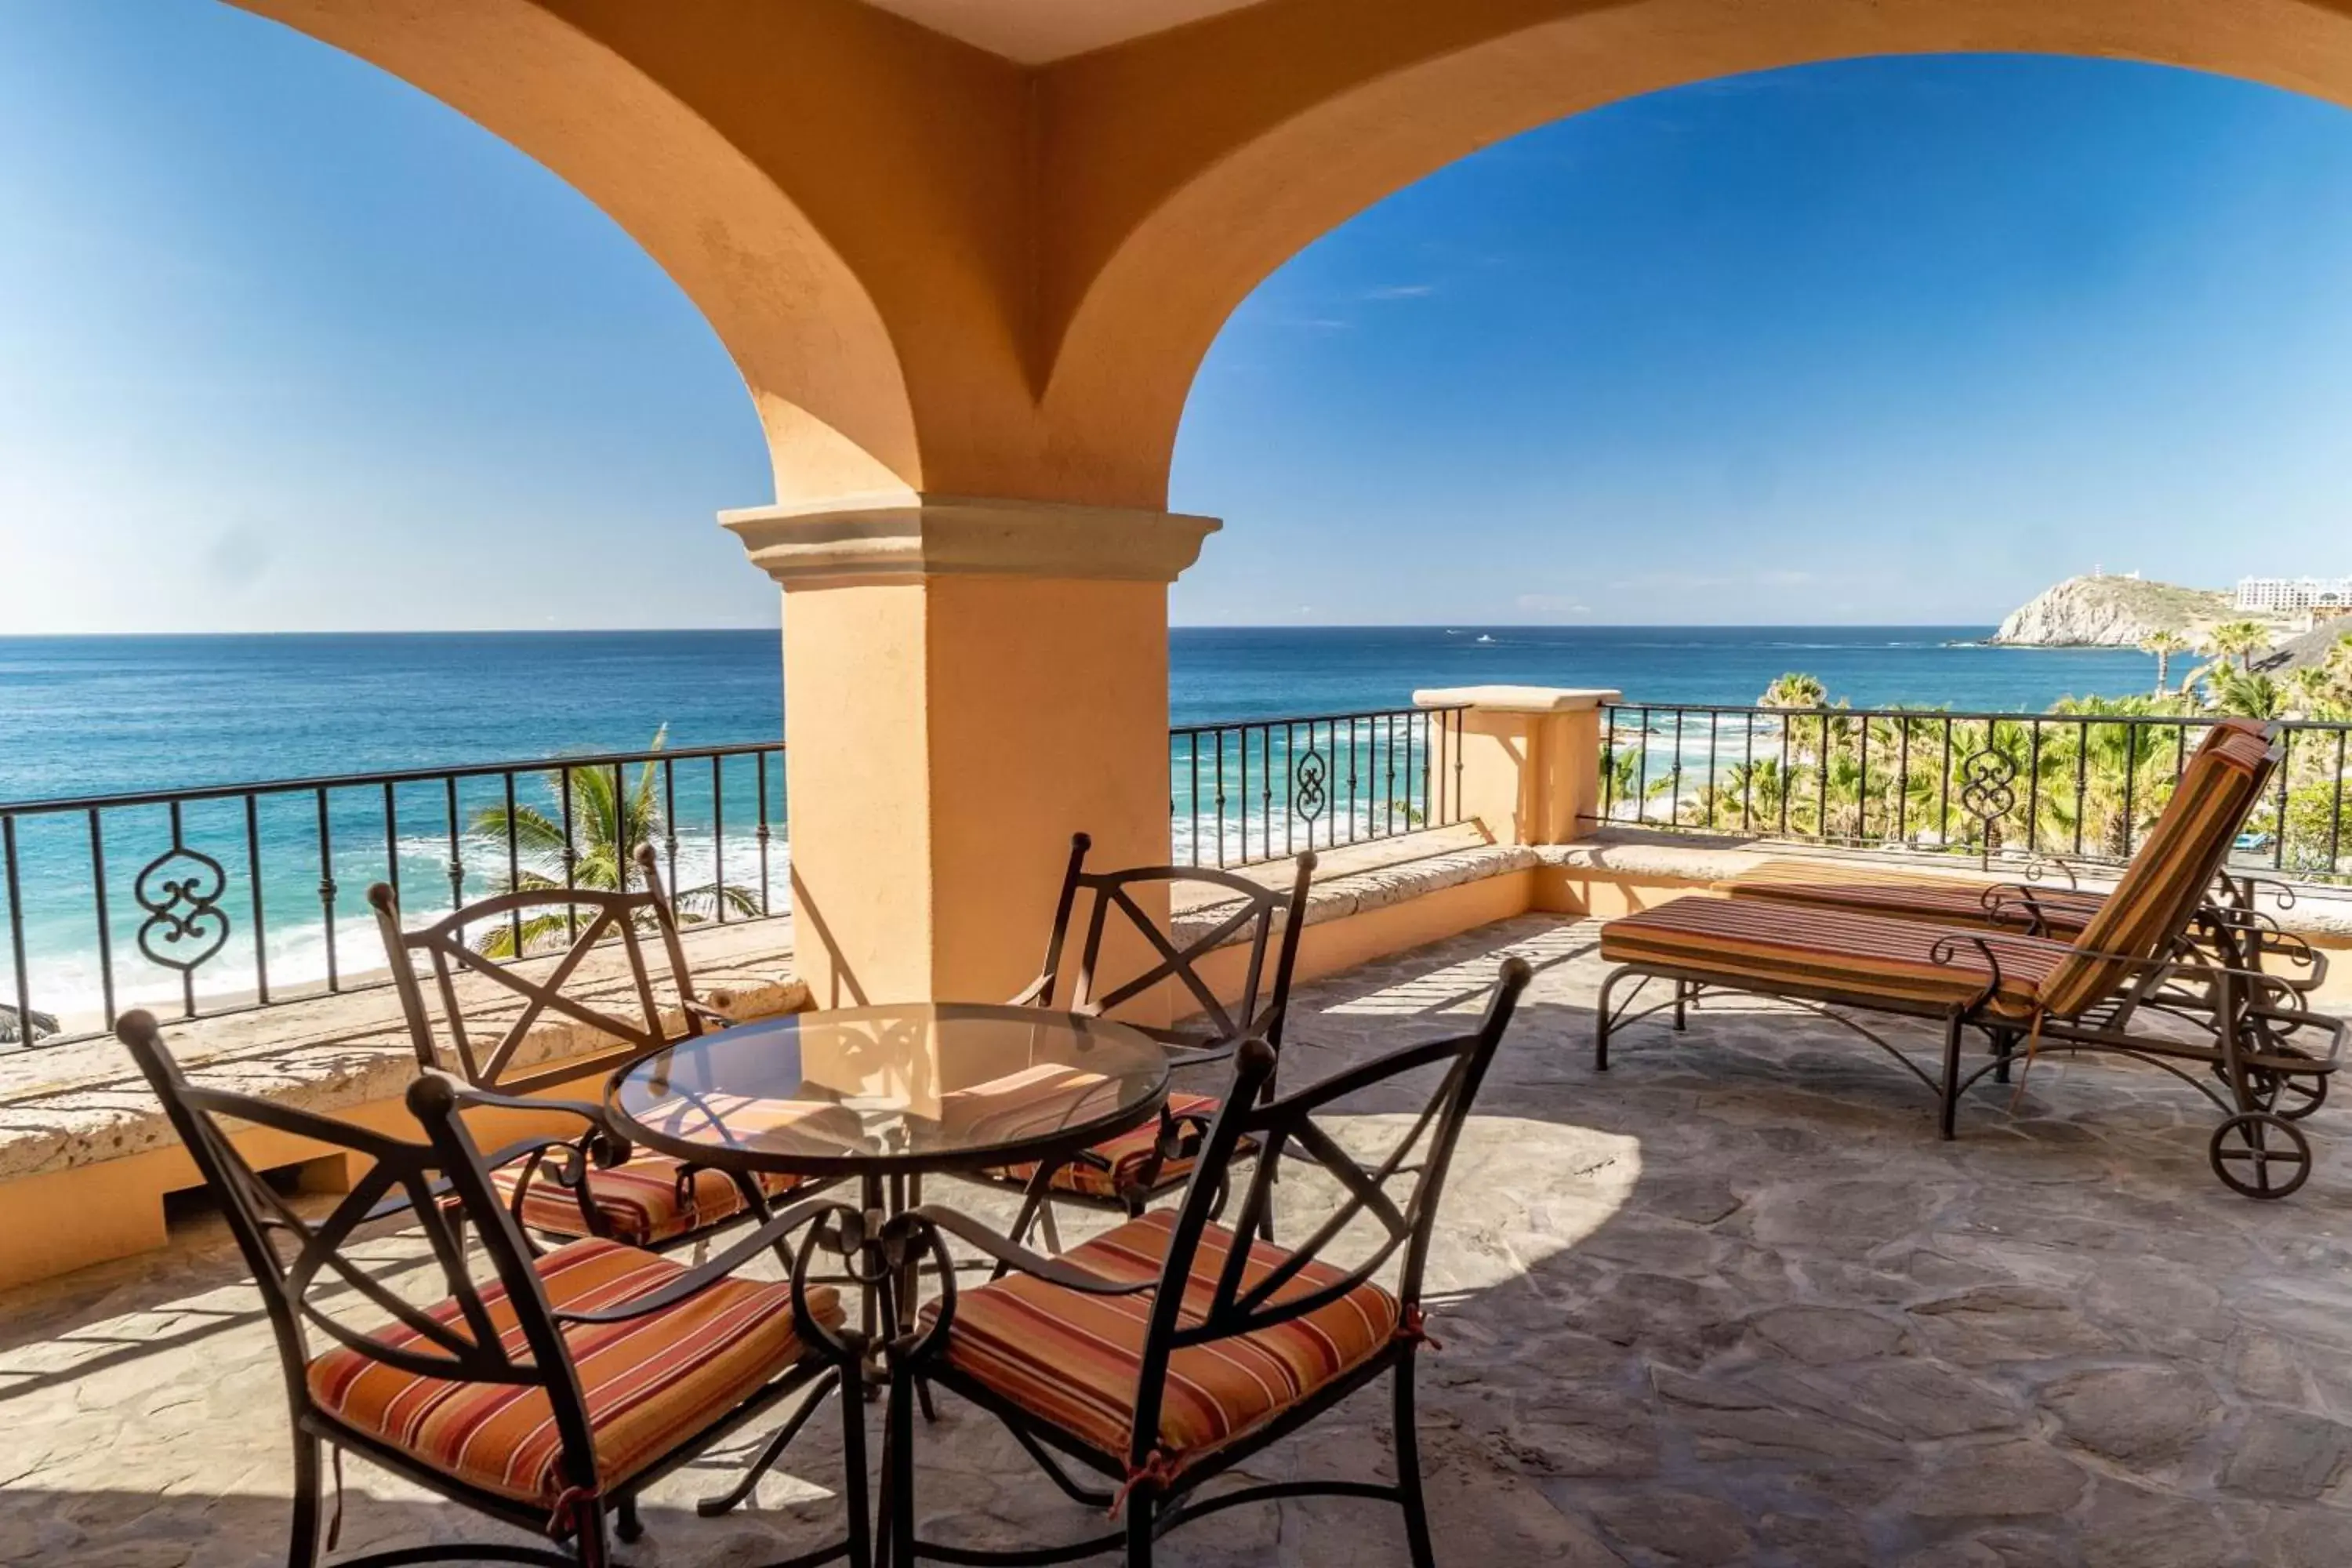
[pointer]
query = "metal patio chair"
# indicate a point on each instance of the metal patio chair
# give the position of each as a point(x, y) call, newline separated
point(1163, 1354)
point(649, 1201)
point(1124, 1174)
point(2132, 981)
point(546, 1396)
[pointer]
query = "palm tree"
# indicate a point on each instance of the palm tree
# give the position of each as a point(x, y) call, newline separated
point(2312, 689)
point(2164, 645)
point(610, 818)
point(1794, 689)
point(2116, 773)
point(1625, 769)
point(2243, 693)
point(2338, 663)
point(2240, 641)
point(1753, 794)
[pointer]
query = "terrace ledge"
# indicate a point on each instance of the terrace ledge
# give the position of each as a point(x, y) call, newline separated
point(1519, 698)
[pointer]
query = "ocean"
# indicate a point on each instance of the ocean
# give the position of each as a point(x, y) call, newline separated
point(106, 715)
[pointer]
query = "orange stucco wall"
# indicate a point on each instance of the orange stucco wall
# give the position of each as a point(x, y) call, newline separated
point(71, 1218)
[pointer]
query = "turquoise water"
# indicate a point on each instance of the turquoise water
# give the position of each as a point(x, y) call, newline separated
point(90, 715)
point(103, 715)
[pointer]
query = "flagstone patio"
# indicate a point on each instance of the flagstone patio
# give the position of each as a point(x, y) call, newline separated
point(1731, 1302)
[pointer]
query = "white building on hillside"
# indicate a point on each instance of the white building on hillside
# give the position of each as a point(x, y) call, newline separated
point(2282, 595)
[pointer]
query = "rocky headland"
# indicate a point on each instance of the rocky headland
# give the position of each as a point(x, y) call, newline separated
point(2122, 612)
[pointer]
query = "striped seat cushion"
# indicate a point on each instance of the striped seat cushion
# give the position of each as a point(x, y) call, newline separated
point(1863, 959)
point(1075, 1360)
point(1114, 1167)
point(645, 1202)
point(649, 1383)
point(2062, 914)
point(2056, 912)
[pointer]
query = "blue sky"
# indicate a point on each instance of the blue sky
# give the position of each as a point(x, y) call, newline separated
point(285, 345)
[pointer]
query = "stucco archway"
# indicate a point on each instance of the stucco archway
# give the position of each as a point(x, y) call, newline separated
point(946, 270)
point(814, 351)
point(971, 282)
point(1181, 202)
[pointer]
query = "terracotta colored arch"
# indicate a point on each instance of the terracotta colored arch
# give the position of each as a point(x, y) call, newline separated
point(814, 350)
point(1188, 167)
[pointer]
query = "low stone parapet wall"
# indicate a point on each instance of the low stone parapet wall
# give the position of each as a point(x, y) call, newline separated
point(87, 1155)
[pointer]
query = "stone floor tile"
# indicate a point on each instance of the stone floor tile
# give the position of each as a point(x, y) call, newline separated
point(1730, 1302)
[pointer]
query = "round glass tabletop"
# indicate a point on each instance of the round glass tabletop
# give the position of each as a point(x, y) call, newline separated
point(902, 1088)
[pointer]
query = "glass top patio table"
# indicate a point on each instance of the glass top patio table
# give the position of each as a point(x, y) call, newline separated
point(891, 1090)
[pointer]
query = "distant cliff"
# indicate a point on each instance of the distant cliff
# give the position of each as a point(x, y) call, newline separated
point(2115, 612)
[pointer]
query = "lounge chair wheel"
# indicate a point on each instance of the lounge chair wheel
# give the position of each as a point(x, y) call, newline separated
point(2294, 1095)
point(2261, 1156)
point(2300, 1094)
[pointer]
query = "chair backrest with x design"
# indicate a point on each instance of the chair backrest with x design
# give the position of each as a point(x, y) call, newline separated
point(1268, 919)
point(1251, 1296)
point(588, 918)
point(295, 1259)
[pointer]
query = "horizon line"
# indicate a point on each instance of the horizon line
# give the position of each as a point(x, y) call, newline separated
point(1173, 627)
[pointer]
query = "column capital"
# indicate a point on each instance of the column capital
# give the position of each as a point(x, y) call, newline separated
point(908, 535)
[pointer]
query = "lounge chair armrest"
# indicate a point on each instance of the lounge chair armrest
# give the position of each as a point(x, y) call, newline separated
point(696, 1280)
point(2283, 895)
point(2038, 864)
point(2015, 903)
point(1949, 946)
point(1004, 1250)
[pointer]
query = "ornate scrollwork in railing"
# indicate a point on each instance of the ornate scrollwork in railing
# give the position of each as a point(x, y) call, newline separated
point(1247, 791)
point(221, 872)
point(185, 927)
point(1308, 796)
point(1985, 794)
point(181, 891)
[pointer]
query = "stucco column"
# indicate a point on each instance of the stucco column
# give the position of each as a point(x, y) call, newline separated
point(967, 682)
point(1530, 758)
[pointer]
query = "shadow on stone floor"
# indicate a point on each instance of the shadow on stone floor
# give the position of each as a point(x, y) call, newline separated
point(1731, 1302)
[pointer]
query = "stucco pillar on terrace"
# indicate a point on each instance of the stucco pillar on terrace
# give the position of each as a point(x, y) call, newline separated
point(967, 682)
point(1530, 758)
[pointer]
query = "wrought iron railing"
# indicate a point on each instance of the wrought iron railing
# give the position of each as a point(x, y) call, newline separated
point(232, 897)
point(211, 910)
point(2082, 786)
point(1262, 789)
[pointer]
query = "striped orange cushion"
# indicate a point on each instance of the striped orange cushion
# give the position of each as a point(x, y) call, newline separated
point(649, 1383)
point(645, 1202)
point(1075, 1360)
point(1938, 900)
point(2166, 880)
point(1116, 1165)
point(1857, 958)
point(2064, 913)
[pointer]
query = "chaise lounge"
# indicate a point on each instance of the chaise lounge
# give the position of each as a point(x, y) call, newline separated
point(2227, 924)
point(2130, 982)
